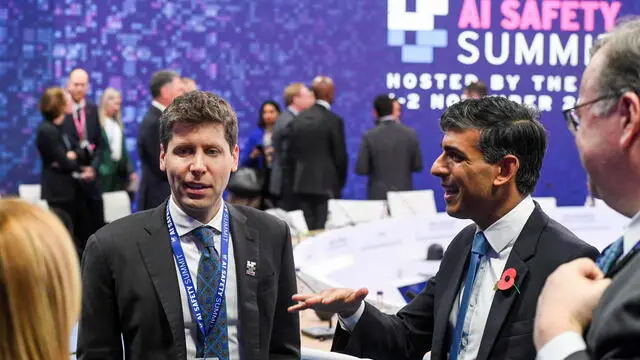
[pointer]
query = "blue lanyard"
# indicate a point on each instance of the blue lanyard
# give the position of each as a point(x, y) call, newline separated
point(186, 276)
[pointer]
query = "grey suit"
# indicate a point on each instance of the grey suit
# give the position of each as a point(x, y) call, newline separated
point(130, 287)
point(389, 154)
point(279, 141)
point(615, 328)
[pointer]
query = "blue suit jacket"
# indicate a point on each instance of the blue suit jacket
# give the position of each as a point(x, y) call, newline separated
point(255, 138)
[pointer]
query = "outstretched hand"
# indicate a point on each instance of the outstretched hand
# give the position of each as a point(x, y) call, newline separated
point(345, 302)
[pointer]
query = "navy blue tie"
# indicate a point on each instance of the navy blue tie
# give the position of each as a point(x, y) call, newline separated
point(478, 250)
point(216, 343)
point(610, 255)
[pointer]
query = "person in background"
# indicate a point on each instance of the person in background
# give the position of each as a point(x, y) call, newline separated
point(475, 90)
point(590, 310)
point(297, 98)
point(61, 172)
point(83, 129)
point(318, 155)
point(257, 152)
point(39, 283)
point(189, 84)
point(389, 153)
point(397, 110)
point(115, 171)
point(154, 189)
point(492, 152)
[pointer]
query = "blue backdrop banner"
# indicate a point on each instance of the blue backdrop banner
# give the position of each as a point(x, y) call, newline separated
point(422, 51)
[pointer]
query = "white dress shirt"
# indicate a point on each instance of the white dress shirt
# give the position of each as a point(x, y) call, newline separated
point(324, 104)
point(114, 137)
point(158, 106)
point(293, 111)
point(192, 249)
point(501, 235)
point(570, 342)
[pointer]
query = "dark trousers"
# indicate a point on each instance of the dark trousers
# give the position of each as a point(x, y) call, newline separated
point(288, 200)
point(315, 209)
point(77, 220)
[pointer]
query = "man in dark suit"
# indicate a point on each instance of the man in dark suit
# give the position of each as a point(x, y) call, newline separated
point(492, 155)
point(194, 277)
point(319, 155)
point(389, 153)
point(600, 300)
point(83, 130)
point(154, 189)
point(297, 97)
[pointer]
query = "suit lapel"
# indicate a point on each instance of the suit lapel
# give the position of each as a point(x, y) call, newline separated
point(523, 249)
point(155, 250)
point(452, 286)
point(245, 248)
point(620, 264)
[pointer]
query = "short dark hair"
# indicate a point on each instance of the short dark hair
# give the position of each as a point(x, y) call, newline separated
point(52, 103)
point(506, 128)
point(383, 105)
point(261, 122)
point(477, 87)
point(160, 79)
point(199, 108)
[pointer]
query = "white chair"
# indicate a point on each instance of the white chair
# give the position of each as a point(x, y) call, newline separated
point(295, 220)
point(351, 212)
point(411, 203)
point(116, 205)
point(29, 192)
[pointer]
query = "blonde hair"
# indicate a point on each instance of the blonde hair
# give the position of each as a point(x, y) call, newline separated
point(108, 94)
point(292, 91)
point(39, 283)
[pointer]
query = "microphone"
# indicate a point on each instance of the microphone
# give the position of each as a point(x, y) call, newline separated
point(435, 252)
point(350, 221)
point(405, 202)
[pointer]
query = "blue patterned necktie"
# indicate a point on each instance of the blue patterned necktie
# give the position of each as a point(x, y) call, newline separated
point(610, 255)
point(478, 250)
point(216, 343)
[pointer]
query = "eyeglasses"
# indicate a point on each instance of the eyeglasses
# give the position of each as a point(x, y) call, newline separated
point(572, 117)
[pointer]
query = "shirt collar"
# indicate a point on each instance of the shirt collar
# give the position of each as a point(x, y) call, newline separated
point(293, 111)
point(77, 106)
point(632, 233)
point(505, 231)
point(158, 105)
point(324, 104)
point(185, 224)
point(386, 118)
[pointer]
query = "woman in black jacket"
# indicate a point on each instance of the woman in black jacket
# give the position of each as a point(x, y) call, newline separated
point(60, 169)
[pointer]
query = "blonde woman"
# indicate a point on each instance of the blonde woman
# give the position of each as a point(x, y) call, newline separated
point(39, 283)
point(116, 172)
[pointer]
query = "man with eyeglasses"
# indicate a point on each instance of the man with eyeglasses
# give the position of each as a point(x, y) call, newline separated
point(591, 310)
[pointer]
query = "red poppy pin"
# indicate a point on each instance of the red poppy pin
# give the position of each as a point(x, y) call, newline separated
point(507, 280)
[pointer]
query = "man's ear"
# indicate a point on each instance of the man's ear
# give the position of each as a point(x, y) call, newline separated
point(630, 110)
point(236, 155)
point(163, 167)
point(507, 170)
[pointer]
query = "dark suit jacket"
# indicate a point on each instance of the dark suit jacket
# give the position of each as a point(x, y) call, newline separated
point(280, 141)
point(615, 327)
point(423, 324)
point(389, 154)
point(154, 187)
point(56, 181)
point(318, 152)
point(130, 286)
point(93, 134)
